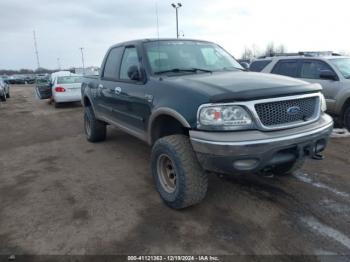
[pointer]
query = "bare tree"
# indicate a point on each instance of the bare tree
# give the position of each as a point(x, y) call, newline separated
point(270, 49)
point(281, 49)
point(247, 54)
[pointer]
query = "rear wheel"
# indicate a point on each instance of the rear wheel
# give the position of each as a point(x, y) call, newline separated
point(180, 180)
point(95, 130)
point(56, 104)
point(347, 118)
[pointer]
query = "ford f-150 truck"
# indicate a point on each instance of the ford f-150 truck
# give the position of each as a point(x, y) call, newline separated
point(201, 111)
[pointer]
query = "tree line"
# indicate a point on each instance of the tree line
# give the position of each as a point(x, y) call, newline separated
point(250, 53)
point(28, 71)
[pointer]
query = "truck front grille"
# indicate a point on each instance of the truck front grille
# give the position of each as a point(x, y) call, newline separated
point(287, 112)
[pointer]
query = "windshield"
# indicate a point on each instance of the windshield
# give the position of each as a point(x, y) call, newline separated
point(69, 79)
point(176, 56)
point(343, 65)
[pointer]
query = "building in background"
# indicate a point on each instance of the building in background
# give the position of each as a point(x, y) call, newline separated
point(92, 70)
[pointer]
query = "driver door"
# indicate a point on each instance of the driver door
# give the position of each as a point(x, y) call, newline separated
point(130, 105)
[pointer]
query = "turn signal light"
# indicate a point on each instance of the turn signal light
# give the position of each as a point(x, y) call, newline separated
point(60, 89)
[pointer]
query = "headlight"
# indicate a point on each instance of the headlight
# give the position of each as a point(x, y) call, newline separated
point(224, 117)
point(323, 103)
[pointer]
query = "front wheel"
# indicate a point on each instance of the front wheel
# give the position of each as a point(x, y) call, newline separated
point(95, 130)
point(179, 178)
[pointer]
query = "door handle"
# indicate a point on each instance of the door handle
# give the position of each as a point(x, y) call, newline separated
point(117, 90)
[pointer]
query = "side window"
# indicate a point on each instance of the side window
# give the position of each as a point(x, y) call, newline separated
point(286, 68)
point(111, 68)
point(130, 58)
point(312, 69)
point(258, 66)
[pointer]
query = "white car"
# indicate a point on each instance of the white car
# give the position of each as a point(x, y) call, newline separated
point(66, 89)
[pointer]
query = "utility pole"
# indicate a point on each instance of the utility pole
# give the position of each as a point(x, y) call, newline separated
point(58, 63)
point(36, 50)
point(82, 59)
point(177, 6)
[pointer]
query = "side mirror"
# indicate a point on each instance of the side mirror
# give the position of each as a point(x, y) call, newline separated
point(134, 73)
point(328, 75)
point(245, 65)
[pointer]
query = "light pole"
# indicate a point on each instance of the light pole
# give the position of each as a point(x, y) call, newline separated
point(177, 6)
point(58, 63)
point(82, 59)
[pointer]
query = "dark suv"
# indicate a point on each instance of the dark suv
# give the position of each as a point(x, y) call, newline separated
point(200, 111)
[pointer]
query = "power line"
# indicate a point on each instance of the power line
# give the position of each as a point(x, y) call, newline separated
point(82, 59)
point(58, 63)
point(36, 50)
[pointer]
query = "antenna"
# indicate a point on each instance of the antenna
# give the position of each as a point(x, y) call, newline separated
point(36, 50)
point(157, 20)
point(158, 34)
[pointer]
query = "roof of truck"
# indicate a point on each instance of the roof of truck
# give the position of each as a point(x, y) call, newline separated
point(145, 40)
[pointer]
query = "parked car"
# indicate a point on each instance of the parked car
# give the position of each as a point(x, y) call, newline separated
point(63, 87)
point(4, 90)
point(16, 80)
point(29, 79)
point(331, 71)
point(200, 111)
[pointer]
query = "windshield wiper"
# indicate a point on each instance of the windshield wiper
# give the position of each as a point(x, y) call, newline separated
point(179, 70)
point(229, 68)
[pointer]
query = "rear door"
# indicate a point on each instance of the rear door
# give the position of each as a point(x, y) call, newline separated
point(43, 88)
point(109, 76)
point(286, 67)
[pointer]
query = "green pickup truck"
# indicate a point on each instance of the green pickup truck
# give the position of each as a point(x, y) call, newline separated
point(201, 111)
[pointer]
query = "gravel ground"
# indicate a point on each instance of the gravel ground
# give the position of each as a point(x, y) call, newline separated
point(60, 194)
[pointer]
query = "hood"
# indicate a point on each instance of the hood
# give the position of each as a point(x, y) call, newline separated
point(241, 86)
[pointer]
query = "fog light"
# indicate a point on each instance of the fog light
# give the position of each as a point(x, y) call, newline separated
point(245, 164)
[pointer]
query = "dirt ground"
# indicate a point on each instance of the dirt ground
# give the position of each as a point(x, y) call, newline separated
point(60, 194)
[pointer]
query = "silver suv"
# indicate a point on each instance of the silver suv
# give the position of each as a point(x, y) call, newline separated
point(330, 70)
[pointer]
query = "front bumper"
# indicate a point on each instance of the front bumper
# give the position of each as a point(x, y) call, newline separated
point(253, 151)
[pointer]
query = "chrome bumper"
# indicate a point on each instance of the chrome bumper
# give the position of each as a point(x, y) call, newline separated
point(220, 150)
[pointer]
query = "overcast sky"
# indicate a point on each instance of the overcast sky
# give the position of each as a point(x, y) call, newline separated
point(62, 26)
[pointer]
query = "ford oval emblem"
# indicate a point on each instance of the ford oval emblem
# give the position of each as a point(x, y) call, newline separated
point(293, 110)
